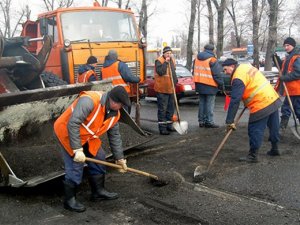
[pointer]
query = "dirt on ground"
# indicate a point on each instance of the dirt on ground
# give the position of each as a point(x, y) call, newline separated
point(225, 197)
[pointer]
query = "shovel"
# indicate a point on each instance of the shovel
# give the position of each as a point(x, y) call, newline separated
point(294, 129)
point(200, 173)
point(180, 126)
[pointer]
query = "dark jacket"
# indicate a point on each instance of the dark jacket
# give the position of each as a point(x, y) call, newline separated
point(124, 70)
point(216, 70)
point(84, 68)
point(161, 69)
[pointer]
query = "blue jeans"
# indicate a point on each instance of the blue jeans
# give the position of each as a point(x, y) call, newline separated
point(256, 131)
point(206, 109)
point(165, 105)
point(74, 170)
point(285, 109)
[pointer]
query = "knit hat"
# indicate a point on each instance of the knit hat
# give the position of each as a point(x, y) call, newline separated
point(229, 62)
point(209, 47)
point(118, 94)
point(290, 41)
point(166, 49)
point(112, 54)
point(92, 60)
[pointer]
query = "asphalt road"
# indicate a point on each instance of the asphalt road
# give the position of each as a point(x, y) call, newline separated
point(233, 193)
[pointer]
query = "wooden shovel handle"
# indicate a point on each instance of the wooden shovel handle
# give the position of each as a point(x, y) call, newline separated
point(120, 167)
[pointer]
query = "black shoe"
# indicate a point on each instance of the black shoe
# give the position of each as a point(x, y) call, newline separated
point(171, 129)
point(273, 153)
point(212, 125)
point(201, 124)
point(164, 132)
point(98, 190)
point(249, 158)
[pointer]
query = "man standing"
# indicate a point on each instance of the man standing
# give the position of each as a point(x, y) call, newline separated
point(207, 77)
point(290, 71)
point(79, 130)
point(163, 73)
point(86, 73)
point(117, 70)
point(258, 95)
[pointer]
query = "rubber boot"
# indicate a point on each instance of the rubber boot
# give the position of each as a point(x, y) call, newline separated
point(98, 190)
point(70, 202)
point(274, 150)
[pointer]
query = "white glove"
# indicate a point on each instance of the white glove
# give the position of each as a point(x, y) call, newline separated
point(123, 163)
point(79, 155)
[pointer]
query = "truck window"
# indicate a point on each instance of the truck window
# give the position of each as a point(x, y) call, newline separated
point(98, 26)
point(52, 29)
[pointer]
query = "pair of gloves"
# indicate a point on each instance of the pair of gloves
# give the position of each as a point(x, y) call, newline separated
point(79, 156)
point(230, 127)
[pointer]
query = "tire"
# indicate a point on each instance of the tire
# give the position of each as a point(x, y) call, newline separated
point(52, 80)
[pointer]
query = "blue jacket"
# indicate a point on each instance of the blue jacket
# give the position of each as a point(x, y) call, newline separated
point(216, 70)
point(123, 70)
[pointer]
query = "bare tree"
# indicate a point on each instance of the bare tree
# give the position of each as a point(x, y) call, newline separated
point(143, 20)
point(199, 9)
point(189, 51)
point(210, 22)
point(255, 23)
point(52, 4)
point(274, 6)
point(220, 30)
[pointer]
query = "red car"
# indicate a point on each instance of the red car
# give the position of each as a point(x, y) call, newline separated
point(184, 88)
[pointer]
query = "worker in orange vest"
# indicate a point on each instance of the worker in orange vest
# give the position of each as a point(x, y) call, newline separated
point(86, 73)
point(79, 130)
point(207, 77)
point(163, 73)
point(118, 71)
point(263, 102)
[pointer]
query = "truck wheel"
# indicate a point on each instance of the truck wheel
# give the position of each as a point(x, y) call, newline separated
point(52, 80)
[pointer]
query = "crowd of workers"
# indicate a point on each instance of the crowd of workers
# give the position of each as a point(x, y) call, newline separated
point(79, 129)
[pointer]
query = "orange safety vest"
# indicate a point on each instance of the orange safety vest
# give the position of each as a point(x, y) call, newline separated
point(84, 77)
point(92, 128)
point(258, 93)
point(162, 84)
point(112, 72)
point(293, 87)
point(202, 72)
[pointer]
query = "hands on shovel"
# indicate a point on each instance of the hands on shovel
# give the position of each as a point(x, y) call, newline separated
point(230, 127)
point(123, 163)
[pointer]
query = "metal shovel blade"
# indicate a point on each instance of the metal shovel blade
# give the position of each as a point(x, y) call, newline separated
point(295, 132)
point(181, 127)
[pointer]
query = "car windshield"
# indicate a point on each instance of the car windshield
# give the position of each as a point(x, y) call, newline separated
point(98, 26)
point(183, 72)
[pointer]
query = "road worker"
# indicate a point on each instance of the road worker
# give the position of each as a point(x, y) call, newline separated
point(79, 130)
point(258, 95)
point(86, 73)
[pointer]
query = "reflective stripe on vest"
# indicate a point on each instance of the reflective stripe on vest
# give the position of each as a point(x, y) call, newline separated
point(202, 72)
point(258, 93)
point(112, 72)
point(84, 77)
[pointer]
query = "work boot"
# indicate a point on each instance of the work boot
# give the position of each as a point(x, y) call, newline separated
point(98, 190)
point(250, 158)
point(284, 122)
point(164, 132)
point(211, 125)
point(201, 124)
point(274, 150)
point(171, 129)
point(70, 202)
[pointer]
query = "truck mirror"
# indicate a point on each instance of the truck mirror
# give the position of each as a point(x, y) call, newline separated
point(43, 26)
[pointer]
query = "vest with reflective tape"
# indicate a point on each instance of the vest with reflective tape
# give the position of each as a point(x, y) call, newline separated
point(258, 93)
point(92, 128)
point(84, 77)
point(293, 87)
point(112, 72)
point(162, 84)
point(202, 72)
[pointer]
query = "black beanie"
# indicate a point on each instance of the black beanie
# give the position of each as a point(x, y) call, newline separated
point(229, 62)
point(118, 94)
point(166, 49)
point(290, 41)
point(209, 47)
point(92, 60)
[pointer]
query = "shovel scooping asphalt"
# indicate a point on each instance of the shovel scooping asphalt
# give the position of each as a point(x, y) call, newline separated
point(180, 126)
point(201, 172)
point(155, 180)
